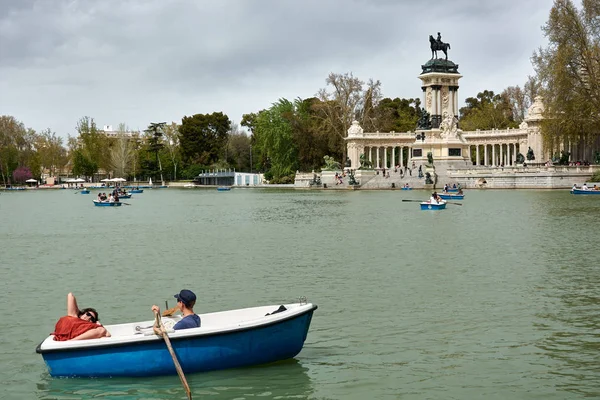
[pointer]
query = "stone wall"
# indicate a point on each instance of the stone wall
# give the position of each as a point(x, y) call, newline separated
point(522, 177)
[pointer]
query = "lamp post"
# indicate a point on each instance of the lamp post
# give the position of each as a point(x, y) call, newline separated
point(250, 158)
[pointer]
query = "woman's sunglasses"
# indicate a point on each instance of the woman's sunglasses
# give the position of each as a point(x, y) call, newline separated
point(92, 317)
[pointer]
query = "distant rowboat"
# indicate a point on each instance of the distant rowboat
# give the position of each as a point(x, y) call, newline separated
point(107, 204)
point(583, 191)
point(446, 196)
point(433, 206)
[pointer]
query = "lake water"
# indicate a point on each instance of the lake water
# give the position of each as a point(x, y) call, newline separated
point(495, 299)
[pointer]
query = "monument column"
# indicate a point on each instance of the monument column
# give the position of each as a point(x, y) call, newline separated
point(485, 155)
point(401, 156)
point(477, 152)
point(385, 163)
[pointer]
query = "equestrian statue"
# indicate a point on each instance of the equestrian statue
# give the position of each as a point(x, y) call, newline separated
point(438, 45)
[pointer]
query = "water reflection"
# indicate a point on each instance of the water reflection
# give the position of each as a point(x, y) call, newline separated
point(282, 380)
point(570, 320)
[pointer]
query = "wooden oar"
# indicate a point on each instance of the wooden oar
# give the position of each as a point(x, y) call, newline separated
point(170, 311)
point(122, 202)
point(160, 330)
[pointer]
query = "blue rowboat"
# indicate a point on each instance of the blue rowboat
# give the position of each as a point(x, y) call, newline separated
point(106, 204)
point(433, 206)
point(406, 188)
point(452, 190)
point(85, 191)
point(223, 188)
point(581, 191)
point(136, 191)
point(227, 339)
point(447, 196)
point(125, 196)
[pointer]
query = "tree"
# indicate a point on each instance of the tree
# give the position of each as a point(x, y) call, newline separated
point(398, 115)
point(487, 111)
point(274, 141)
point(21, 174)
point(12, 134)
point(171, 142)
point(238, 149)
point(346, 102)
point(518, 101)
point(155, 144)
point(121, 152)
point(52, 154)
point(569, 71)
point(202, 137)
point(90, 149)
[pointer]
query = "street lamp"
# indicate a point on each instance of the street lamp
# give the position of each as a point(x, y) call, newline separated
point(250, 158)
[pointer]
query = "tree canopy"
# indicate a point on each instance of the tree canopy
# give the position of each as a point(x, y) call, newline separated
point(568, 70)
point(202, 137)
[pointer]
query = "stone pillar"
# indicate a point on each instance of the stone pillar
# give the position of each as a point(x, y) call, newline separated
point(477, 154)
point(393, 157)
point(385, 160)
point(514, 158)
point(485, 155)
point(494, 163)
point(371, 155)
point(401, 156)
point(377, 157)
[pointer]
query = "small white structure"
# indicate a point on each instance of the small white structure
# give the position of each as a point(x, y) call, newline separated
point(248, 179)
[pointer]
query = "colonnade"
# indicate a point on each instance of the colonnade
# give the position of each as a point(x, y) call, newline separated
point(387, 156)
point(496, 154)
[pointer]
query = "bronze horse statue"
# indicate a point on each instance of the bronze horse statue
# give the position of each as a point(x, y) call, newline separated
point(435, 46)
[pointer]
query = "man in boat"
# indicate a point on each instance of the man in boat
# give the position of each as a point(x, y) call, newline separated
point(186, 299)
point(78, 324)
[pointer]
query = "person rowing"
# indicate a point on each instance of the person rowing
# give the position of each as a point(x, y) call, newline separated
point(435, 199)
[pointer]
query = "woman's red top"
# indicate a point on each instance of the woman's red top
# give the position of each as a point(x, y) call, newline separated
point(69, 327)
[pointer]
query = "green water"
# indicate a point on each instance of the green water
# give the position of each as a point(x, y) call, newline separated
point(496, 299)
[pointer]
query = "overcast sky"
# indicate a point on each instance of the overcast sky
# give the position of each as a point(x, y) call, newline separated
point(146, 61)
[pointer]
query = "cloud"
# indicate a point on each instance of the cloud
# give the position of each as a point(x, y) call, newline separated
point(142, 61)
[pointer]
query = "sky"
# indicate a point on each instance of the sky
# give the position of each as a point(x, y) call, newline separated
point(142, 61)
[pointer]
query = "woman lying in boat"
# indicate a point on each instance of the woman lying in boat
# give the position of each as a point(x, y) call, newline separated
point(186, 299)
point(78, 324)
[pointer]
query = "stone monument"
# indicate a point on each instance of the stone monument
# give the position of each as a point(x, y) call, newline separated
point(441, 135)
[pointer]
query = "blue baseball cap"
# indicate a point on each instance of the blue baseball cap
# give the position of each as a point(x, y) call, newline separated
point(185, 296)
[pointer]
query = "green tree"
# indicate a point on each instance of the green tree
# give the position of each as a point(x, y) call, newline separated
point(398, 115)
point(487, 111)
point(274, 141)
point(155, 145)
point(12, 136)
point(568, 70)
point(202, 137)
point(90, 149)
point(237, 152)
